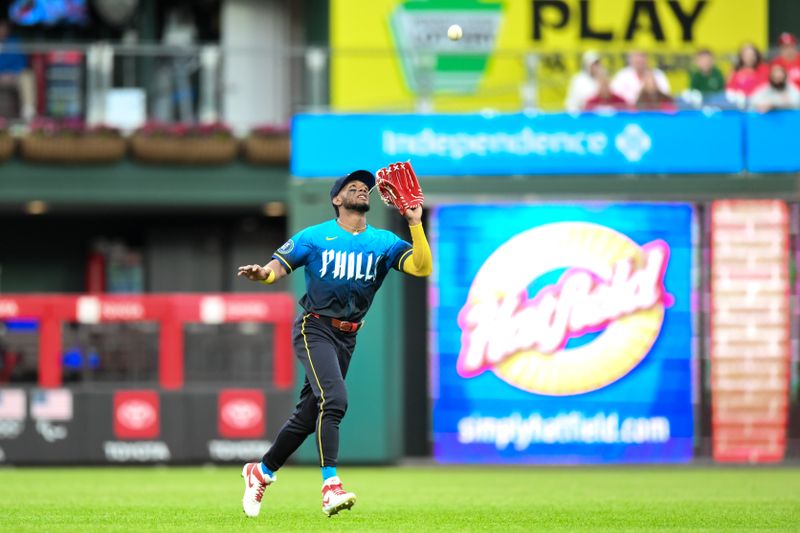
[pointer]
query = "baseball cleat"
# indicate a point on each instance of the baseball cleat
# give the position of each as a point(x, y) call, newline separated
point(255, 483)
point(335, 498)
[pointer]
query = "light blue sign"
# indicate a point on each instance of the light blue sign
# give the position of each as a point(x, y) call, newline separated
point(519, 144)
point(771, 141)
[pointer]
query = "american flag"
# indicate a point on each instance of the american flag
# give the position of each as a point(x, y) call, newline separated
point(12, 404)
point(52, 404)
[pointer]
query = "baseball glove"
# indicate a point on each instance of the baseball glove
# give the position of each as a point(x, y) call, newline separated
point(399, 187)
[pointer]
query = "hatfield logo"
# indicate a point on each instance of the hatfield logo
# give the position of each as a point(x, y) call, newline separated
point(610, 298)
point(241, 413)
point(136, 415)
point(433, 63)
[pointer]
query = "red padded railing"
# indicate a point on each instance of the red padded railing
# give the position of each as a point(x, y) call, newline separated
point(171, 311)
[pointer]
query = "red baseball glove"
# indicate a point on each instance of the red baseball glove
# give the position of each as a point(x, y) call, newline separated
point(399, 187)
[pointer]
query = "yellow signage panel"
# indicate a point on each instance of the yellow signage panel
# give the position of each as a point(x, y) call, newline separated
point(394, 54)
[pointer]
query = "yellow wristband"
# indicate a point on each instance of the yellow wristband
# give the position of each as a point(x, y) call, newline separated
point(270, 278)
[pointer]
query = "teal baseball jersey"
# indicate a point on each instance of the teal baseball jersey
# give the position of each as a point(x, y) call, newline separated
point(343, 271)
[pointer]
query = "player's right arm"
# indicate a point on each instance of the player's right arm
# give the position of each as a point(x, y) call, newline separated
point(293, 254)
point(269, 273)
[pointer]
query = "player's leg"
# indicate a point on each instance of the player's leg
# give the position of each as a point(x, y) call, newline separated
point(300, 425)
point(326, 363)
point(258, 476)
point(334, 497)
point(344, 346)
point(302, 422)
point(320, 359)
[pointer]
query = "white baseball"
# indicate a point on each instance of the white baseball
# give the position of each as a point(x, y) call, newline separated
point(454, 32)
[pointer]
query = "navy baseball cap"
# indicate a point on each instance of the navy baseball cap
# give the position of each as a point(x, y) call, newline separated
point(364, 176)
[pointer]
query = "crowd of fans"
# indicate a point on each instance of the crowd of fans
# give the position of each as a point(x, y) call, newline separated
point(753, 84)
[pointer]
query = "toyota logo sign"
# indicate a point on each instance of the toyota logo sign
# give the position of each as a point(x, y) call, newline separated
point(136, 415)
point(241, 413)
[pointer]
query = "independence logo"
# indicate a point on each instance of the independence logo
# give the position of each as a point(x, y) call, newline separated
point(431, 62)
point(591, 327)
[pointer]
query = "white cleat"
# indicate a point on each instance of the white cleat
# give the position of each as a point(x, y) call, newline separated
point(335, 498)
point(255, 483)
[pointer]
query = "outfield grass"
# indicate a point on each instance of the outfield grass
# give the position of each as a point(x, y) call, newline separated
point(405, 499)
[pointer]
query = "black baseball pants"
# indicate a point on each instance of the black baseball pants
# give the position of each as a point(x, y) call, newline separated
point(325, 353)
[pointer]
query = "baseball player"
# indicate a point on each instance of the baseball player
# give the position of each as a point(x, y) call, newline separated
point(345, 263)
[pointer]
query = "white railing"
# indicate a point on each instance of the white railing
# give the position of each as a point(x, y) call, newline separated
point(133, 83)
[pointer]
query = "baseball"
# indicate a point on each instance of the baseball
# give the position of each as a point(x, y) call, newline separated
point(454, 32)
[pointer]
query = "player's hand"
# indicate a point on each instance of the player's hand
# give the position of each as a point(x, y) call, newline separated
point(253, 272)
point(413, 215)
point(399, 187)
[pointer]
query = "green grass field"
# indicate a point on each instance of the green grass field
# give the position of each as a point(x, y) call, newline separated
point(405, 499)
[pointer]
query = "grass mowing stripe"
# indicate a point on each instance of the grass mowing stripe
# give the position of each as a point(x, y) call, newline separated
point(405, 499)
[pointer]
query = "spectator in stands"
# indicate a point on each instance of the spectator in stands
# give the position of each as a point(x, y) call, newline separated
point(651, 97)
point(750, 72)
point(788, 57)
point(605, 99)
point(628, 82)
point(706, 77)
point(14, 73)
point(583, 85)
point(778, 93)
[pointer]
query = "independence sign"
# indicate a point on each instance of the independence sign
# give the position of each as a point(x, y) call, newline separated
point(519, 144)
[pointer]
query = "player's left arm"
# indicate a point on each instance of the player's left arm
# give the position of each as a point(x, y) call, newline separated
point(420, 263)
